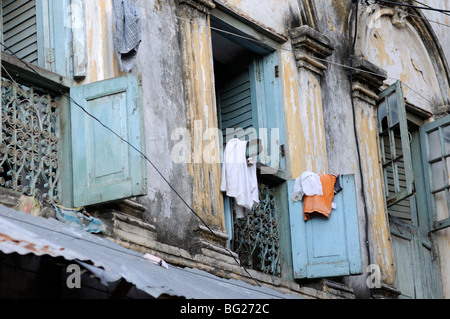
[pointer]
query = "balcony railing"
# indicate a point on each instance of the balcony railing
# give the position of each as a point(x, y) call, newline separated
point(255, 237)
point(29, 147)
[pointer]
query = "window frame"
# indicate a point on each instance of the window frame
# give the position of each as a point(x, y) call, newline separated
point(443, 157)
point(259, 67)
point(268, 46)
point(31, 74)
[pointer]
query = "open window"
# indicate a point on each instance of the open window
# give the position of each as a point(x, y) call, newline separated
point(52, 148)
point(248, 93)
point(435, 138)
point(395, 151)
point(416, 186)
point(249, 108)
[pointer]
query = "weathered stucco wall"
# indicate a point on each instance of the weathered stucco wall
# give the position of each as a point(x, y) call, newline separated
point(440, 24)
point(323, 144)
point(176, 63)
point(204, 161)
point(101, 60)
point(160, 63)
point(332, 21)
point(277, 15)
point(397, 47)
point(399, 51)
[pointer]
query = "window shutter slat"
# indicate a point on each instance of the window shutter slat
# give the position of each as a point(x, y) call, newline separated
point(235, 103)
point(20, 28)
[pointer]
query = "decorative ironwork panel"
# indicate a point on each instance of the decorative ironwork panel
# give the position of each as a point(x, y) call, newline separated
point(30, 142)
point(255, 237)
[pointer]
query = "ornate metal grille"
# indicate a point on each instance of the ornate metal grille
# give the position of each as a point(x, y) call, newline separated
point(255, 237)
point(30, 142)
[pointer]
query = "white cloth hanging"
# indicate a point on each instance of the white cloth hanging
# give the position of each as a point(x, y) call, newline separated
point(239, 177)
point(308, 184)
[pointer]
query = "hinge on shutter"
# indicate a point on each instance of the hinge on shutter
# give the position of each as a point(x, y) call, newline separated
point(282, 151)
point(50, 55)
point(258, 74)
point(434, 249)
point(277, 72)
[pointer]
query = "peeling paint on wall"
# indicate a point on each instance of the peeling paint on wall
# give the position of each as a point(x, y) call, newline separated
point(402, 54)
point(397, 50)
point(295, 134)
point(102, 63)
point(201, 115)
point(375, 197)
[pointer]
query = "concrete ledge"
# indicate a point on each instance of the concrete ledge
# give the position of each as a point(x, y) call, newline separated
point(312, 41)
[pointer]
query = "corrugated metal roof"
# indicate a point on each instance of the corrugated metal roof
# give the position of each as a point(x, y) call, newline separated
point(26, 234)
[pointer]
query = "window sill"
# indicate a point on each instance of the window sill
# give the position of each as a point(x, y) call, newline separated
point(268, 173)
point(43, 78)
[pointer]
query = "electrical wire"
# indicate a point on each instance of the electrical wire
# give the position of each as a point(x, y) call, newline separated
point(62, 93)
point(312, 57)
point(415, 15)
point(413, 6)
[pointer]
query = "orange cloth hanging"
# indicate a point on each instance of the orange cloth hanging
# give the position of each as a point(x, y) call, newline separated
point(320, 204)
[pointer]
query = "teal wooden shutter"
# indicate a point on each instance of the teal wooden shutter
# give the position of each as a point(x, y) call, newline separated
point(326, 247)
point(64, 37)
point(435, 140)
point(267, 99)
point(395, 148)
point(59, 54)
point(235, 111)
point(252, 100)
point(235, 104)
point(20, 29)
point(104, 167)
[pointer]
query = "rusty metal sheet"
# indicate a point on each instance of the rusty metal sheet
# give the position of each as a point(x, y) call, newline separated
point(23, 234)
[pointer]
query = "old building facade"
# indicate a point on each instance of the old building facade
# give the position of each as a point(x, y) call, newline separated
point(136, 138)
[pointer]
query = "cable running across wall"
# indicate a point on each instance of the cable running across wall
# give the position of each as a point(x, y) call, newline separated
point(355, 131)
point(425, 5)
point(312, 57)
point(413, 6)
point(414, 15)
point(60, 91)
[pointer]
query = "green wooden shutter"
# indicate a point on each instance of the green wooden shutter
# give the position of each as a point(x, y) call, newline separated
point(435, 140)
point(324, 247)
point(104, 167)
point(20, 32)
point(38, 32)
point(395, 147)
